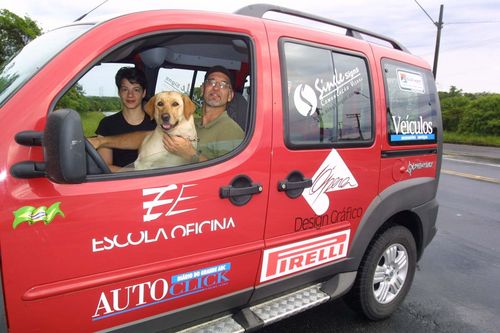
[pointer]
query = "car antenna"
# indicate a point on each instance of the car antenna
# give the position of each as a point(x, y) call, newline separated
point(90, 11)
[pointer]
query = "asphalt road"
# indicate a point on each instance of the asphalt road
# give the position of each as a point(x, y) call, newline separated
point(457, 285)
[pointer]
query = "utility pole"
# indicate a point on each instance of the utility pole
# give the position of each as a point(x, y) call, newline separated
point(439, 26)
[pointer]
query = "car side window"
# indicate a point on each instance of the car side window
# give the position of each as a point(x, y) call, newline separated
point(181, 80)
point(174, 62)
point(327, 99)
point(412, 104)
point(94, 96)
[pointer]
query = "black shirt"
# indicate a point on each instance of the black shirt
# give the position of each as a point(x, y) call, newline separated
point(116, 124)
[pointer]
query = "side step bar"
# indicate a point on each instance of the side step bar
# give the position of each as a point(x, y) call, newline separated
point(275, 309)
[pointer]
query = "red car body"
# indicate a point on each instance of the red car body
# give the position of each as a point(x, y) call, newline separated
point(118, 253)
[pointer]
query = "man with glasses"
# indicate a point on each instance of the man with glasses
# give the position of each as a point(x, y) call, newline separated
point(218, 134)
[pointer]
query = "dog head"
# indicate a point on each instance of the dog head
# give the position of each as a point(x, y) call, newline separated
point(169, 108)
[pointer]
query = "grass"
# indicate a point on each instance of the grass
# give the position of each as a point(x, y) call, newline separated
point(472, 139)
point(90, 121)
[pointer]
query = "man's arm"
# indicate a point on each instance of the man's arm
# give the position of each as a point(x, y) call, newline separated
point(131, 140)
point(183, 148)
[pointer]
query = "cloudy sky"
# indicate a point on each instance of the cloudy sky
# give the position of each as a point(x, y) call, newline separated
point(470, 42)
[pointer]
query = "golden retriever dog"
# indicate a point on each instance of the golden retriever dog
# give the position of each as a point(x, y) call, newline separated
point(173, 113)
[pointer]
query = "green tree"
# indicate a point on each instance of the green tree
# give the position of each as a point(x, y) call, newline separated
point(74, 99)
point(15, 33)
point(482, 116)
point(454, 92)
point(452, 109)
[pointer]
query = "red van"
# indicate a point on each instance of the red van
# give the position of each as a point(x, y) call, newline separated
point(331, 192)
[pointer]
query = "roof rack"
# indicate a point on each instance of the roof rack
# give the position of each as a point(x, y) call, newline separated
point(258, 10)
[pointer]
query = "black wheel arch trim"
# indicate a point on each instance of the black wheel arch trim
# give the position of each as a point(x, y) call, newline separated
point(415, 196)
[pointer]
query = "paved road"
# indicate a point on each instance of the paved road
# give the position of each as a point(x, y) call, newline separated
point(456, 288)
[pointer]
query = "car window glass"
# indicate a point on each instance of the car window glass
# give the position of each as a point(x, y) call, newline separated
point(174, 62)
point(412, 104)
point(328, 98)
point(34, 56)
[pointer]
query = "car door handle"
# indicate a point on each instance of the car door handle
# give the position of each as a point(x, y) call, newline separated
point(230, 191)
point(294, 184)
point(240, 191)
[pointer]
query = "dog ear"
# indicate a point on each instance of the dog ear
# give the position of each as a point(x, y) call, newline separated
point(149, 108)
point(189, 106)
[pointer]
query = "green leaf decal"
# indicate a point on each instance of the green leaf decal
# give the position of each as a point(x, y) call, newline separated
point(22, 215)
point(53, 211)
point(32, 215)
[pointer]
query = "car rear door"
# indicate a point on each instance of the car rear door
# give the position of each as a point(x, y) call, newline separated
point(326, 157)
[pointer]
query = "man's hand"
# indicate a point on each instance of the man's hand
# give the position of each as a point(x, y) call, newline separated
point(179, 146)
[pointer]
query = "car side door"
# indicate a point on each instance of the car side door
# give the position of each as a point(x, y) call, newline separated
point(326, 157)
point(121, 248)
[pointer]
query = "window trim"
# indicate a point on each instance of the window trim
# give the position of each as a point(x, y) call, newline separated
point(285, 106)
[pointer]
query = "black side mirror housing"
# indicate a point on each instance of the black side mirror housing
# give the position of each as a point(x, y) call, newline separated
point(64, 147)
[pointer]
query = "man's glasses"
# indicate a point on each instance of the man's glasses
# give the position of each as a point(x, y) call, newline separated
point(222, 85)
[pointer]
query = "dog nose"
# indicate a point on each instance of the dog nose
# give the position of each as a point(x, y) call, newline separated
point(165, 118)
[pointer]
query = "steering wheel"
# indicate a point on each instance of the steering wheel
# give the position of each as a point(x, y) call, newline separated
point(95, 162)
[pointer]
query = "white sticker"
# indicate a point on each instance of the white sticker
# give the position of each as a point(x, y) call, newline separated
point(411, 81)
point(332, 175)
point(295, 257)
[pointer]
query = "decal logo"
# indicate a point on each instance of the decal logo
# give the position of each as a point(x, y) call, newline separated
point(174, 201)
point(32, 215)
point(409, 130)
point(332, 175)
point(336, 216)
point(340, 84)
point(418, 166)
point(296, 257)
point(160, 235)
point(150, 293)
point(305, 100)
point(411, 81)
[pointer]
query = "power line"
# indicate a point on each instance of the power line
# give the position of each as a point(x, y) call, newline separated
point(473, 22)
point(430, 18)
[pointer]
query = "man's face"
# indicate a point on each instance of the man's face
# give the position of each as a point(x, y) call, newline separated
point(217, 90)
point(131, 94)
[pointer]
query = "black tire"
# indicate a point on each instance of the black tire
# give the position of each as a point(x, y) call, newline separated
point(385, 274)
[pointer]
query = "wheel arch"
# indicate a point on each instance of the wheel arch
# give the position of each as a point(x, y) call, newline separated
point(411, 203)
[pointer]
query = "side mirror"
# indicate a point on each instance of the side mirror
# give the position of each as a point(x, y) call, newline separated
point(64, 147)
point(68, 156)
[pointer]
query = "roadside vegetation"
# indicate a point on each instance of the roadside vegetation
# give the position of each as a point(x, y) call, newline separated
point(471, 118)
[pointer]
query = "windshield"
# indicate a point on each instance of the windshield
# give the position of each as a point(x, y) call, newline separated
point(34, 56)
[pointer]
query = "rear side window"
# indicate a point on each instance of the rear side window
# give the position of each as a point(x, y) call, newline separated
point(327, 99)
point(412, 104)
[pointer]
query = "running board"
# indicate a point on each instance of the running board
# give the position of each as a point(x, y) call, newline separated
point(276, 309)
point(291, 304)
point(224, 324)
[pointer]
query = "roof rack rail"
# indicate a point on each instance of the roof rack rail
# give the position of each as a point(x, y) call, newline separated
point(258, 10)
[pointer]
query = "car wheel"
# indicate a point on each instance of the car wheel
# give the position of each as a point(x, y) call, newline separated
point(385, 274)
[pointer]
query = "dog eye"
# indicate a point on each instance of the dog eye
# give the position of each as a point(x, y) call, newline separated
point(175, 104)
point(160, 103)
